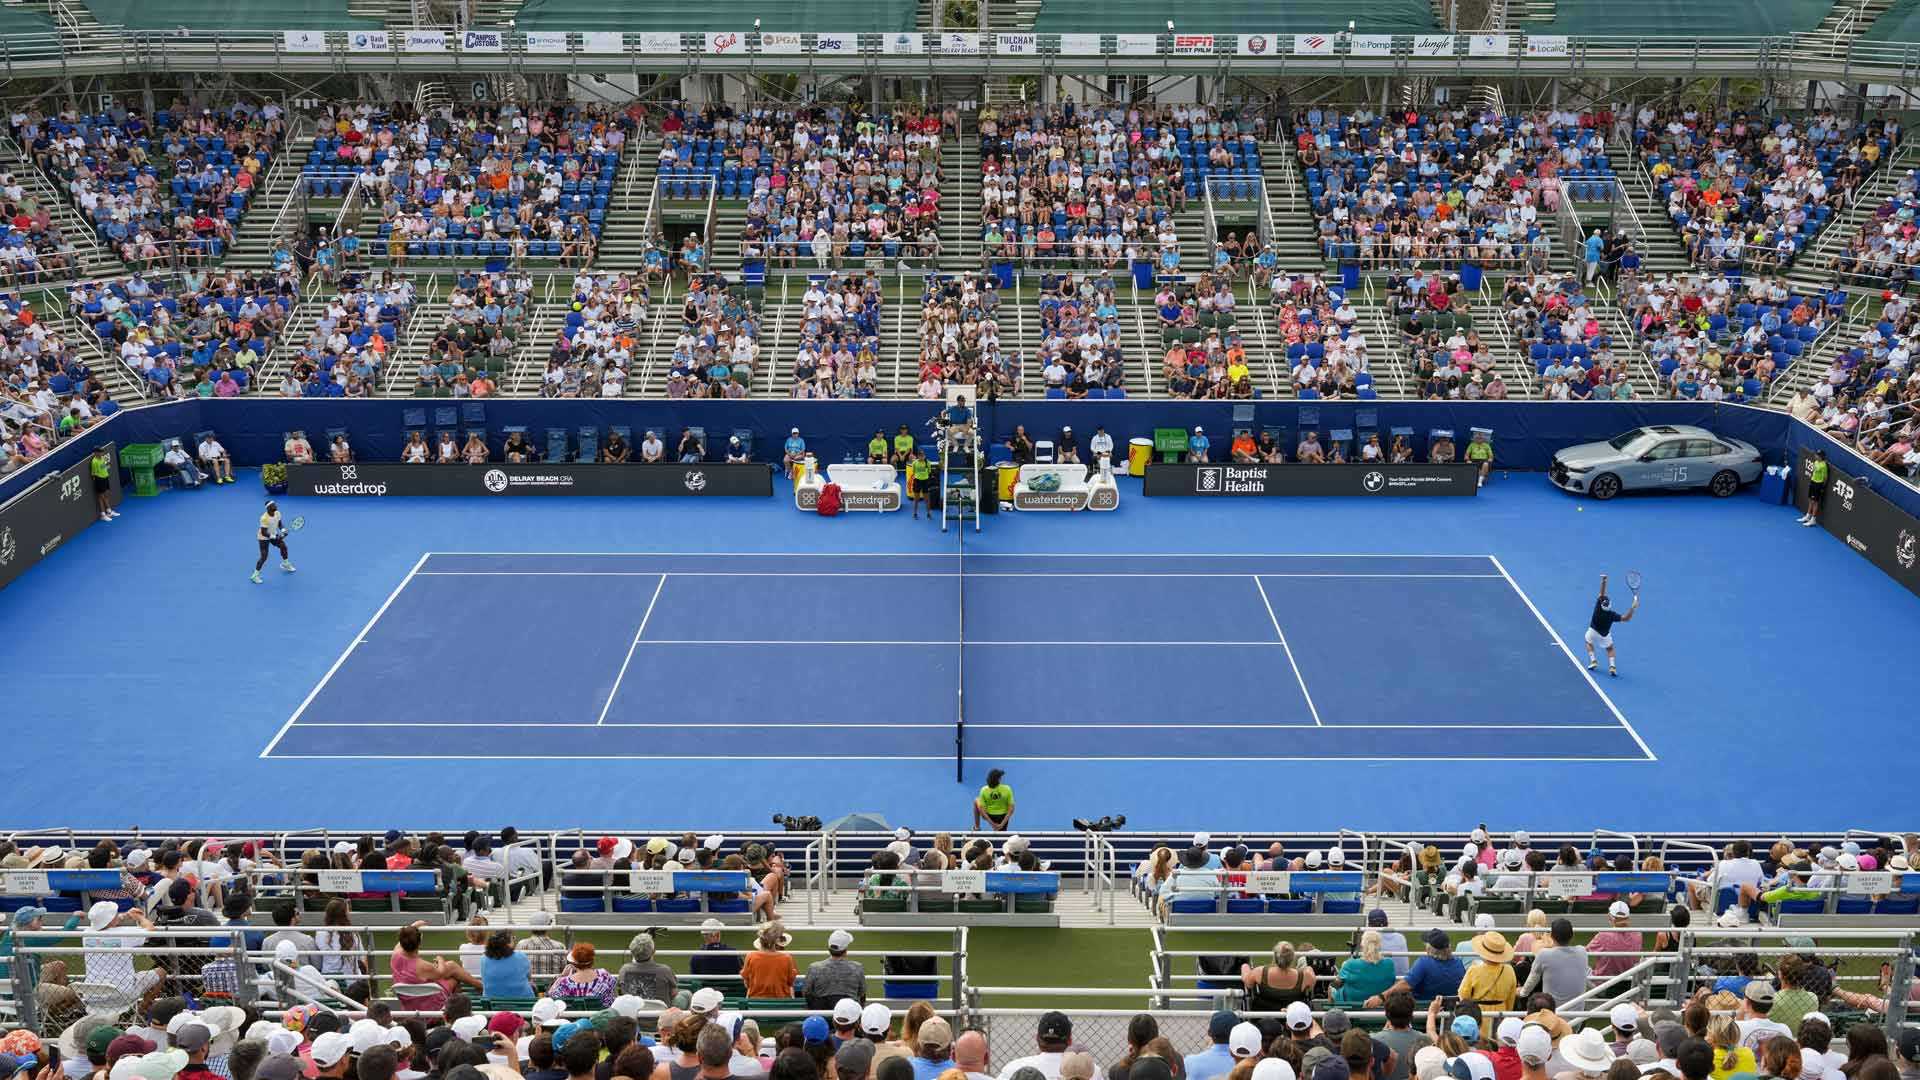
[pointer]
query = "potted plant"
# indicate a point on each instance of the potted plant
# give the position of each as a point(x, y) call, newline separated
point(274, 476)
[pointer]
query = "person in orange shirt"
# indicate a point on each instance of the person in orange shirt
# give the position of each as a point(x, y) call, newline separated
point(769, 970)
point(1244, 451)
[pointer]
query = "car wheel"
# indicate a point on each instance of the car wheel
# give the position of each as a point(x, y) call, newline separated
point(1724, 483)
point(1605, 486)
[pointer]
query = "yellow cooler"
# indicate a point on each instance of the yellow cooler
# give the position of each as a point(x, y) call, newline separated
point(1009, 476)
point(1139, 452)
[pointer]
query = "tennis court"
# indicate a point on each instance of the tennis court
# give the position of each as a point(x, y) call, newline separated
point(809, 656)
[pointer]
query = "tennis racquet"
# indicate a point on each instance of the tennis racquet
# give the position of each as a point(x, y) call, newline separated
point(1633, 579)
point(301, 522)
point(292, 526)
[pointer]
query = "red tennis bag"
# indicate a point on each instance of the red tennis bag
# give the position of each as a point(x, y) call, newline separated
point(829, 503)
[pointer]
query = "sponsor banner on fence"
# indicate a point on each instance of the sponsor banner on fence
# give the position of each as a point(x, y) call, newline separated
point(1136, 44)
point(1079, 44)
point(483, 41)
point(782, 44)
point(306, 40)
point(369, 41)
point(547, 41)
point(53, 511)
point(426, 41)
point(906, 44)
point(954, 44)
point(1370, 44)
point(1359, 480)
point(1546, 45)
point(1312, 44)
point(830, 44)
point(1433, 45)
point(388, 479)
point(1865, 521)
point(613, 41)
point(1489, 44)
point(1016, 44)
point(1256, 45)
point(1193, 44)
point(726, 43)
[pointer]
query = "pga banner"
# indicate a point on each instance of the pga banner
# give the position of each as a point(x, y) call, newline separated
point(1365, 481)
point(386, 479)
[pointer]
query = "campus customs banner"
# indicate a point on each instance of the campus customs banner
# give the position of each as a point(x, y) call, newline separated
point(50, 513)
point(389, 479)
point(1865, 521)
point(1362, 480)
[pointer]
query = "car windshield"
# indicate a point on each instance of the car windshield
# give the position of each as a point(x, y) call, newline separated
point(1622, 441)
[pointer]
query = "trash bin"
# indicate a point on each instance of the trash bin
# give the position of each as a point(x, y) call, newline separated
point(1009, 475)
point(1350, 276)
point(141, 458)
point(1776, 484)
point(1139, 452)
point(1143, 274)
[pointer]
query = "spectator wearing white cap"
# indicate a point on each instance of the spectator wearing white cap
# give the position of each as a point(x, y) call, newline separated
point(107, 944)
point(546, 958)
point(329, 1053)
point(836, 977)
point(714, 957)
point(644, 976)
point(1625, 1020)
point(1618, 939)
point(845, 1019)
point(1244, 1041)
point(1535, 1048)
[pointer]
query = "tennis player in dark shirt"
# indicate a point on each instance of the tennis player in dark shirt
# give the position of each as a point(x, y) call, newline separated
point(1600, 627)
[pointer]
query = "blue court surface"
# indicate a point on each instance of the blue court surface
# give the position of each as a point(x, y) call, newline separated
point(1251, 664)
point(1151, 656)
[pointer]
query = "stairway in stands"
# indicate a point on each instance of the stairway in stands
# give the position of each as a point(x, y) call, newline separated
point(528, 364)
point(94, 258)
point(254, 241)
point(960, 202)
point(1811, 271)
point(300, 326)
point(1509, 356)
point(123, 384)
point(1386, 360)
point(623, 238)
point(1844, 24)
point(1811, 365)
point(1020, 337)
point(723, 247)
point(423, 322)
point(1662, 252)
point(1293, 236)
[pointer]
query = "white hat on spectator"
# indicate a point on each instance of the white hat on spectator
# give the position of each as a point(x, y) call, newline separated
point(1336, 857)
point(102, 913)
point(1534, 1044)
point(470, 1025)
point(1201, 839)
point(1469, 851)
point(1899, 862)
point(1313, 860)
point(1479, 836)
point(1244, 1040)
point(1484, 921)
point(1618, 910)
point(1299, 1016)
point(399, 1038)
point(713, 842)
point(846, 1012)
point(1508, 1032)
point(260, 1029)
point(343, 847)
point(1521, 838)
point(123, 1067)
point(329, 1048)
point(903, 833)
point(282, 1042)
point(1273, 1069)
point(1623, 1017)
point(546, 1012)
point(875, 1019)
point(705, 1000)
point(628, 1005)
point(1587, 1051)
point(1429, 1062)
point(900, 848)
point(367, 1034)
point(540, 919)
point(1513, 858)
point(287, 953)
point(1847, 861)
point(839, 940)
point(1015, 844)
point(622, 848)
point(138, 858)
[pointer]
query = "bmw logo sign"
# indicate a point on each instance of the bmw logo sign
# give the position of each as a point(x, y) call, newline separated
point(1374, 481)
point(495, 481)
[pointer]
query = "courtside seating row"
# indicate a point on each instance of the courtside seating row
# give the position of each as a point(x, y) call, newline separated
point(471, 418)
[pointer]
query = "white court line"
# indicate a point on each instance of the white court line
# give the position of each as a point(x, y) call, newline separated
point(948, 758)
point(533, 725)
point(1291, 662)
point(344, 653)
point(949, 644)
point(990, 555)
point(617, 679)
point(1575, 661)
point(908, 573)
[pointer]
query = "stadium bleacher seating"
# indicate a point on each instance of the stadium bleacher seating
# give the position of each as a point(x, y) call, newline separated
point(872, 16)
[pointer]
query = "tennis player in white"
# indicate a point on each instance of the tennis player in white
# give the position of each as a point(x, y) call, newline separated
point(1599, 628)
point(272, 534)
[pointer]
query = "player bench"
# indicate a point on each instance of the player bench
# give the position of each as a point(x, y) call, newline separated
point(862, 487)
point(1065, 486)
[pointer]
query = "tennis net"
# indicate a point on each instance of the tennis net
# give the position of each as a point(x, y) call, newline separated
point(960, 667)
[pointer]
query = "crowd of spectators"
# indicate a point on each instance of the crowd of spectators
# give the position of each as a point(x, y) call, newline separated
point(1081, 337)
point(1319, 330)
point(592, 353)
point(32, 246)
point(201, 333)
point(353, 338)
point(1573, 356)
point(1413, 188)
point(1432, 312)
point(1870, 391)
point(823, 183)
point(1886, 250)
point(1715, 339)
point(838, 351)
point(1206, 353)
point(1748, 190)
point(1095, 186)
point(162, 189)
point(507, 180)
point(960, 338)
point(717, 350)
point(47, 391)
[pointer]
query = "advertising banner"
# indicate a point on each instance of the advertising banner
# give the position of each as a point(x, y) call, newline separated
point(1433, 45)
point(1865, 521)
point(1136, 44)
point(954, 44)
point(1546, 45)
point(1082, 44)
point(306, 40)
point(1362, 480)
point(1370, 45)
point(1016, 44)
point(1192, 44)
point(1489, 44)
point(905, 44)
point(546, 41)
point(426, 41)
point(836, 44)
point(369, 41)
point(1312, 44)
point(40, 519)
point(391, 479)
point(726, 43)
point(786, 44)
point(483, 41)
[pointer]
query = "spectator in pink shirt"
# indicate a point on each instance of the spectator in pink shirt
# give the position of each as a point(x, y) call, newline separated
point(1618, 939)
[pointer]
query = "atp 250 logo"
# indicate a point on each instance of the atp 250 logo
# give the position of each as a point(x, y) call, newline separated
point(1844, 491)
point(70, 489)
